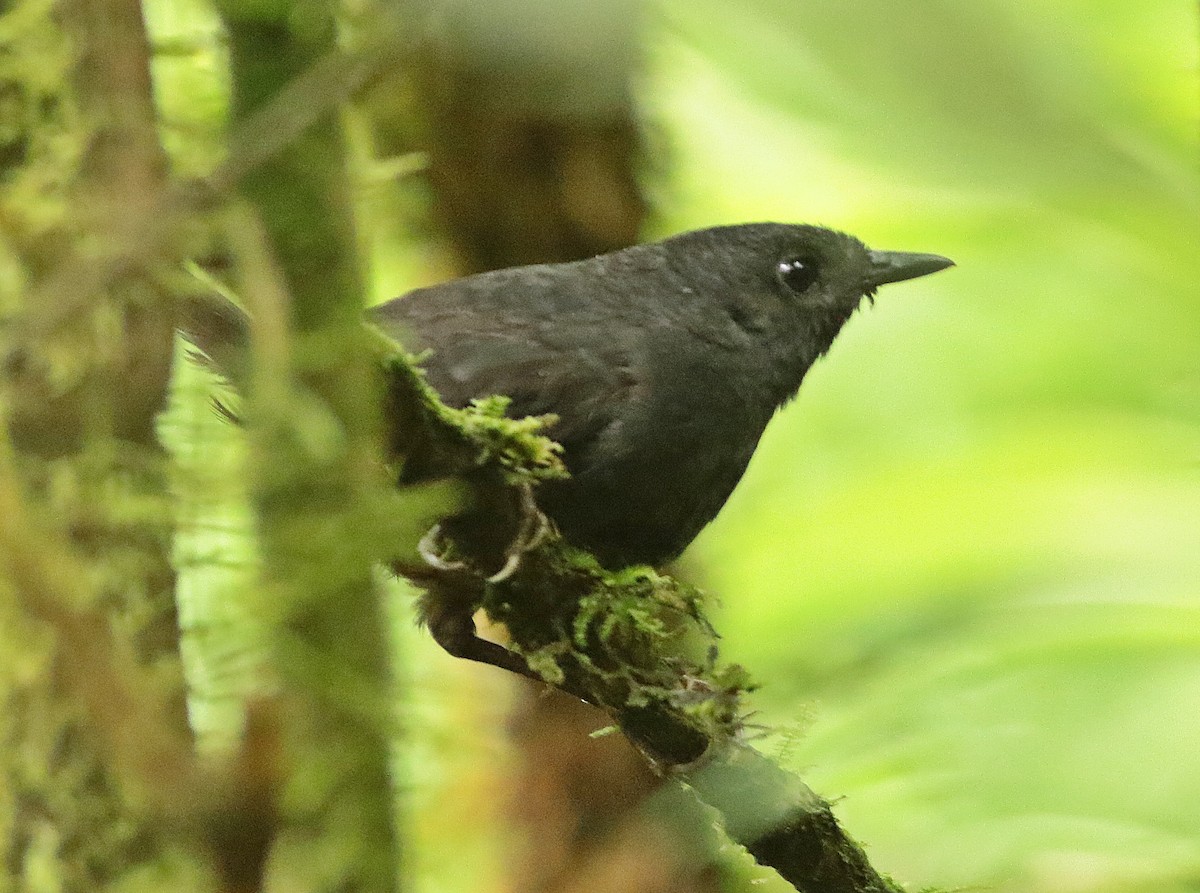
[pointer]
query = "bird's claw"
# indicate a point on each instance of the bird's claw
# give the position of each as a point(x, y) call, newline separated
point(427, 548)
point(534, 529)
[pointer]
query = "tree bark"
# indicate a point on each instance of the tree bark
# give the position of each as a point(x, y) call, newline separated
point(82, 465)
point(313, 416)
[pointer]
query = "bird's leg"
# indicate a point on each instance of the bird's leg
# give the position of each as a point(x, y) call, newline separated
point(454, 590)
point(448, 608)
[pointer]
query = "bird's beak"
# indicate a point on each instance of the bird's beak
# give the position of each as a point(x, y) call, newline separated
point(896, 266)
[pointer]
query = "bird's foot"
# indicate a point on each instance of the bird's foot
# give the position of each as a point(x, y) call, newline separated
point(533, 530)
point(454, 589)
point(427, 548)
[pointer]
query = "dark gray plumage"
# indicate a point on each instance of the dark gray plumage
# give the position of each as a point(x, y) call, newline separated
point(663, 362)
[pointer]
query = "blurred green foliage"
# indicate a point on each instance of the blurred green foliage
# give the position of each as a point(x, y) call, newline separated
point(971, 552)
point(966, 562)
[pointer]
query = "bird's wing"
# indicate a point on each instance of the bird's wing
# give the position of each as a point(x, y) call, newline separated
point(529, 345)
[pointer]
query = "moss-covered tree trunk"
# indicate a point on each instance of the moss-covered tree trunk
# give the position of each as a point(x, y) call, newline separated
point(316, 465)
point(87, 626)
point(100, 783)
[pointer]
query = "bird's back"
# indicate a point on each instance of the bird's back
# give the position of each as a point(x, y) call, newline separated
point(655, 430)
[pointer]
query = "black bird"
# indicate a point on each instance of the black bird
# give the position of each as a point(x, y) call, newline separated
point(663, 363)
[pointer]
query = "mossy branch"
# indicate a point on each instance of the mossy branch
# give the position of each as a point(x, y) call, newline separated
point(633, 642)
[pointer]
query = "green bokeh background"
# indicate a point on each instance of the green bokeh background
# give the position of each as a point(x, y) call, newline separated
point(965, 563)
point(971, 549)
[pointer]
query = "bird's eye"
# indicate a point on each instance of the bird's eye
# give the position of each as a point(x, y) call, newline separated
point(797, 274)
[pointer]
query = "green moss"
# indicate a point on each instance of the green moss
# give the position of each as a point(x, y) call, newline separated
point(628, 639)
point(631, 639)
point(514, 444)
point(476, 436)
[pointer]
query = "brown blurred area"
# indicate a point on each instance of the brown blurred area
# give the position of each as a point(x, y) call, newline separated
point(526, 113)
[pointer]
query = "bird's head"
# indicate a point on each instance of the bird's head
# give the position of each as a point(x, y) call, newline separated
point(784, 281)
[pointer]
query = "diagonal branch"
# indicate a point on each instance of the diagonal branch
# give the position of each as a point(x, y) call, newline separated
point(585, 629)
point(623, 641)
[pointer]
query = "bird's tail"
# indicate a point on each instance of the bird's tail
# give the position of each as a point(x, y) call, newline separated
point(221, 331)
